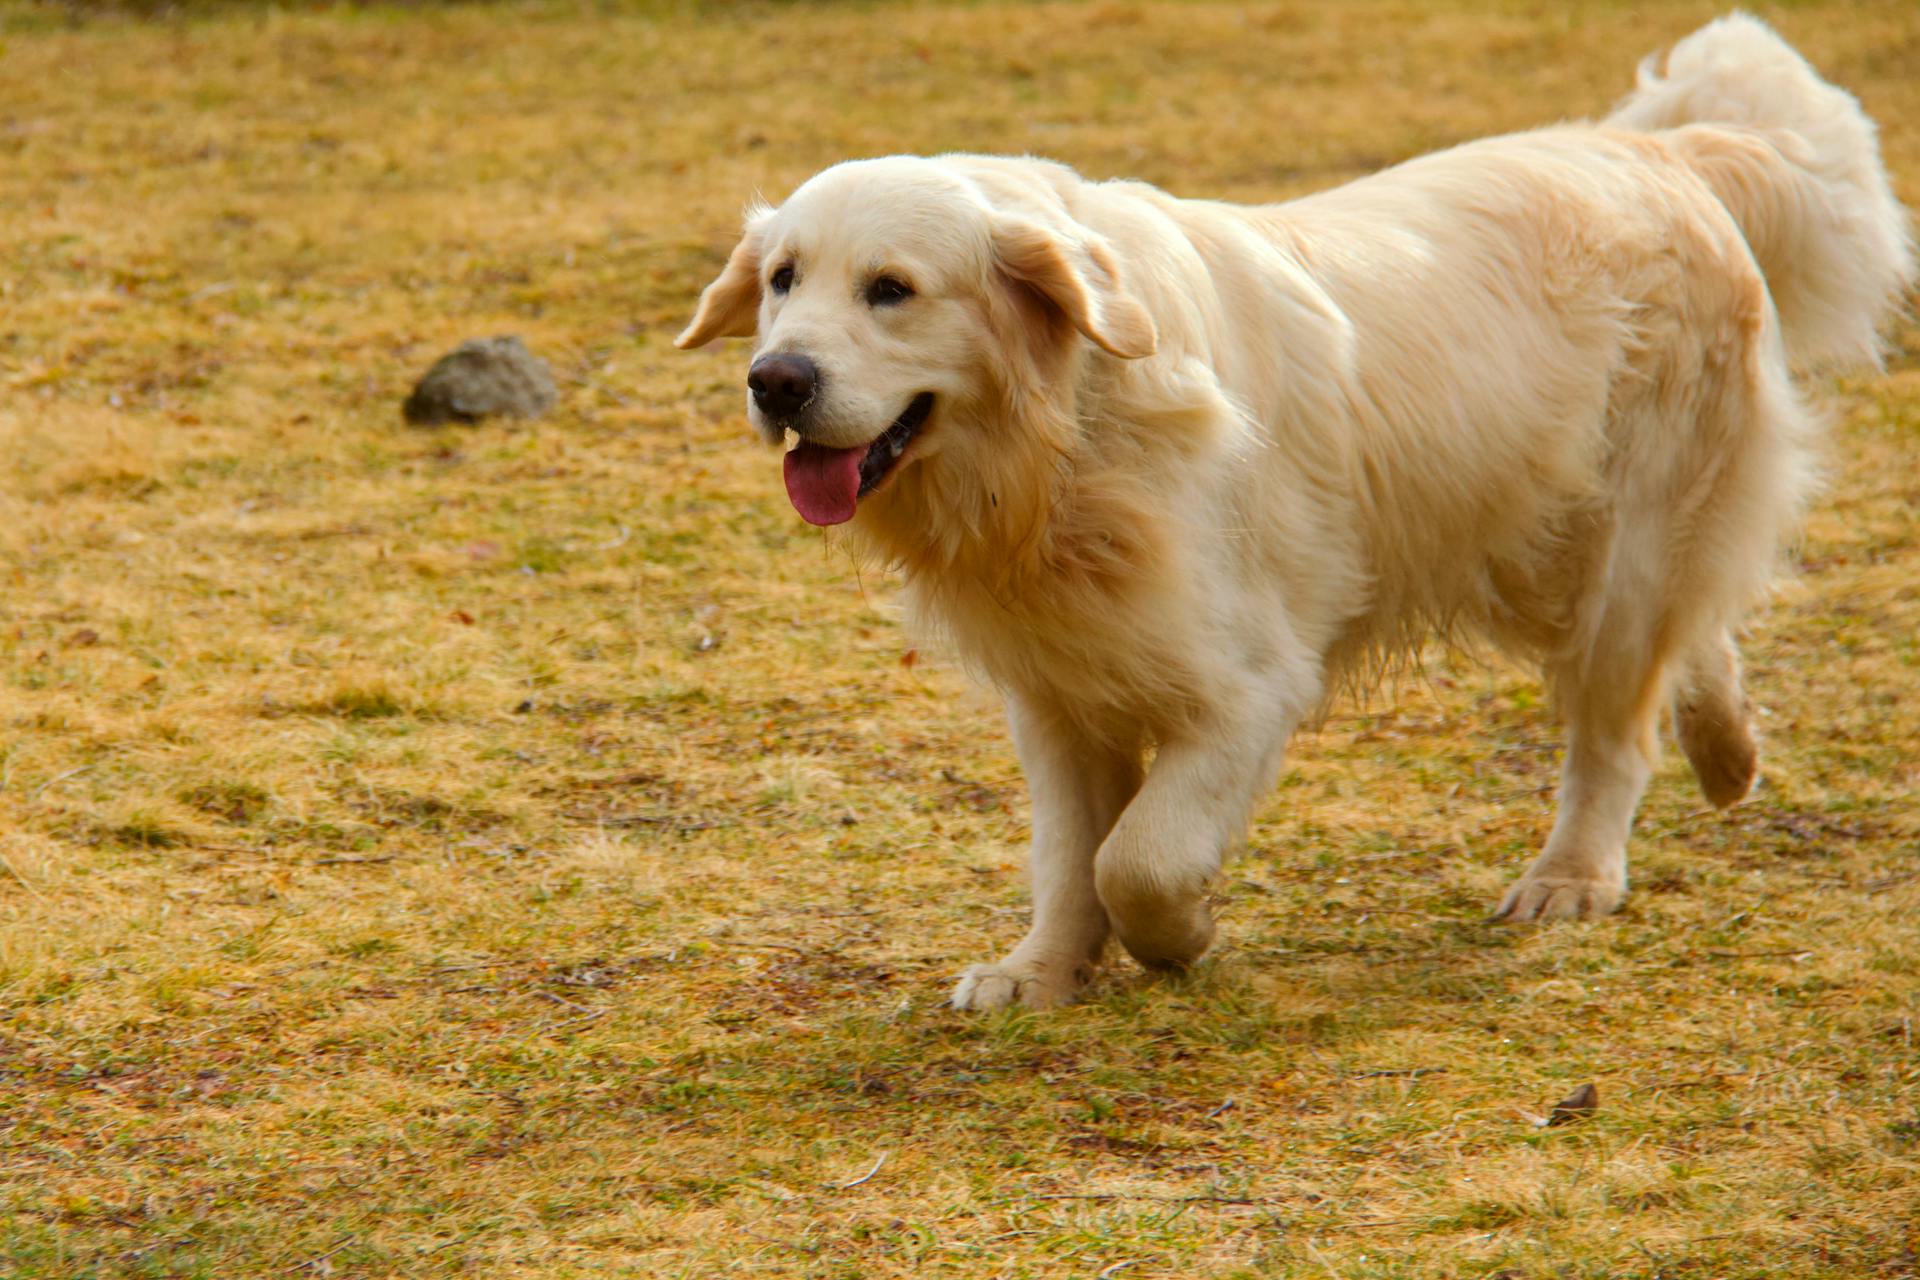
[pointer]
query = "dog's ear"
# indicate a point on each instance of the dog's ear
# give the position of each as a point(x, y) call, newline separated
point(730, 306)
point(1077, 273)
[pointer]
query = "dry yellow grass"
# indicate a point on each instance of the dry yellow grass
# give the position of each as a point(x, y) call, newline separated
point(523, 851)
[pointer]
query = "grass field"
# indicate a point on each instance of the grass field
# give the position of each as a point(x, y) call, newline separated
point(531, 851)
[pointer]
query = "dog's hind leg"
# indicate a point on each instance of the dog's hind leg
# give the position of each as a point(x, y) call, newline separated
point(1611, 704)
point(1658, 632)
point(1610, 692)
point(1714, 722)
point(1707, 485)
point(1078, 787)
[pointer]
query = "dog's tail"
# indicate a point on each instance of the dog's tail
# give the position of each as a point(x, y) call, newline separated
point(1797, 163)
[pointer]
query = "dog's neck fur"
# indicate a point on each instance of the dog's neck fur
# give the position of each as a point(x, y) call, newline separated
point(1044, 561)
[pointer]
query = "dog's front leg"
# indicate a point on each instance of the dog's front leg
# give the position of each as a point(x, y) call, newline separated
point(1152, 872)
point(1078, 787)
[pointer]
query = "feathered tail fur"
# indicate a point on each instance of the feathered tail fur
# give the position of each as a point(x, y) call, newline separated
point(1797, 163)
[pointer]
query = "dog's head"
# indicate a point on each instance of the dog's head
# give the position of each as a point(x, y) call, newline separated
point(903, 306)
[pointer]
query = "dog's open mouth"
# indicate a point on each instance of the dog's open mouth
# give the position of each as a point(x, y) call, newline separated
point(826, 484)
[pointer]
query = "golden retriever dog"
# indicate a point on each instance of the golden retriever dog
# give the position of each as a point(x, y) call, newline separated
point(1167, 472)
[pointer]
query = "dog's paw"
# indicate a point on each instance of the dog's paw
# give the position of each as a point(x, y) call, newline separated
point(1559, 897)
point(1169, 937)
point(996, 986)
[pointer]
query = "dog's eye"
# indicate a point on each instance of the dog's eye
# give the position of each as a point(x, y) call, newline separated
point(782, 280)
point(888, 291)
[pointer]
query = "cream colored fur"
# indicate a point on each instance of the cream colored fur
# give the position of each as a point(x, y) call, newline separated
point(1192, 465)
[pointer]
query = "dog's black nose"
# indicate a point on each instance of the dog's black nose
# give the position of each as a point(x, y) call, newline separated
point(782, 384)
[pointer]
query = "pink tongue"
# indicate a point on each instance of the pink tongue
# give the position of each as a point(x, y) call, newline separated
point(823, 484)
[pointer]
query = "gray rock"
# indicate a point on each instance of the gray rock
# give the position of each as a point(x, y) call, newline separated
point(482, 378)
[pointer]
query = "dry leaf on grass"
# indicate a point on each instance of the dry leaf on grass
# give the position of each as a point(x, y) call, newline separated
point(1575, 1106)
